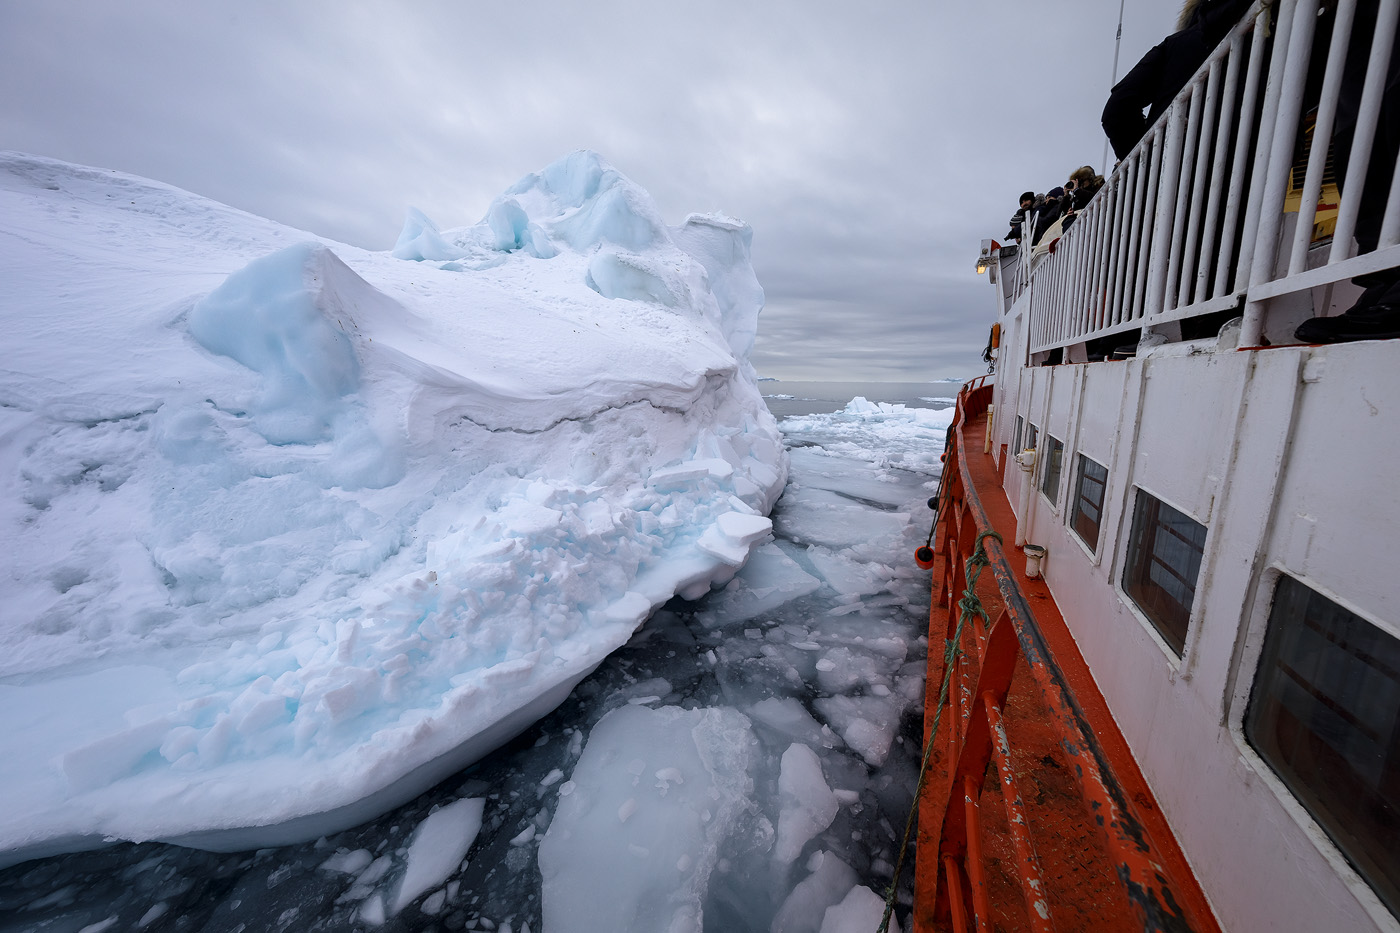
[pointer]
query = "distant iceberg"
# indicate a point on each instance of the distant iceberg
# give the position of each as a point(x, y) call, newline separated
point(297, 529)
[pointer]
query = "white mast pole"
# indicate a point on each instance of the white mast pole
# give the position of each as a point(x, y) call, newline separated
point(1117, 44)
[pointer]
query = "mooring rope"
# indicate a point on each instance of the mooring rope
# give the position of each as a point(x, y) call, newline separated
point(968, 606)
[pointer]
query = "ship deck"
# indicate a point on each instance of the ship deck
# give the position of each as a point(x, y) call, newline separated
point(1077, 821)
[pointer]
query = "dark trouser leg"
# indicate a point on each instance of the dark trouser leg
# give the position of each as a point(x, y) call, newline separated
point(1376, 313)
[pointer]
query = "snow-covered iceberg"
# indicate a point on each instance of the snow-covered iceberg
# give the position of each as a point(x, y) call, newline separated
point(295, 529)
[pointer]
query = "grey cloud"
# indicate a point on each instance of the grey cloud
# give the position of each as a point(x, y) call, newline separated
point(870, 147)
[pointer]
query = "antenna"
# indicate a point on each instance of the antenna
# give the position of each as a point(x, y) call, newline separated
point(1117, 44)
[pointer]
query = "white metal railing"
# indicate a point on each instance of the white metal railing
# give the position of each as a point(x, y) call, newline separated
point(1191, 221)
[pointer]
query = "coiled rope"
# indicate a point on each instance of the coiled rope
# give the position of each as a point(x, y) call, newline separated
point(968, 606)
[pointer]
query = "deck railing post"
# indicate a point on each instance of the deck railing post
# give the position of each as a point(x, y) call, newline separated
point(1367, 118)
point(1031, 877)
point(954, 887)
point(976, 873)
point(1165, 215)
point(1280, 126)
point(1322, 136)
point(1218, 178)
point(1190, 135)
point(1185, 294)
point(1224, 281)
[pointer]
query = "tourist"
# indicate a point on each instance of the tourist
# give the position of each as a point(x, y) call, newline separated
point(1155, 80)
point(1083, 184)
point(1049, 212)
point(1017, 219)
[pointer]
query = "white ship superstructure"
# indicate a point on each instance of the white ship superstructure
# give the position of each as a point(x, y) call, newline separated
point(1217, 502)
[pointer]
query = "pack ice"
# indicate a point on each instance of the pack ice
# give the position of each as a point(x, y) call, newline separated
point(294, 530)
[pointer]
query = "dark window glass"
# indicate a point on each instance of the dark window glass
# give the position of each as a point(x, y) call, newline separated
point(1089, 486)
point(1164, 560)
point(1050, 472)
point(1325, 715)
point(1016, 441)
point(1030, 435)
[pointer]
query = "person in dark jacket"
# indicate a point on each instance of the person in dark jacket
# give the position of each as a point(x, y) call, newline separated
point(1155, 80)
point(1083, 184)
point(1087, 183)
point(1027, 201)
point(1050, 211)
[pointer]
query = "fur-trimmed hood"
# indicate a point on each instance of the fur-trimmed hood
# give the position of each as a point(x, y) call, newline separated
point(1188, 9)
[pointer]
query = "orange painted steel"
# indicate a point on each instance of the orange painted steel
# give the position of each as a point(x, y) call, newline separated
point(957, 910)
point(976, 879)
point(1037, 907)
point(1136, 875)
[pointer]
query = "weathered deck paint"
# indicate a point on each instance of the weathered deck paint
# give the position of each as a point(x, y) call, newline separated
point(1098, 854)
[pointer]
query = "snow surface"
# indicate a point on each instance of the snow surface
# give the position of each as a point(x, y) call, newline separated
point(295, 530)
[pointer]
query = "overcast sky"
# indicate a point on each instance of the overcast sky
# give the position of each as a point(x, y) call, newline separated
point(871, 146)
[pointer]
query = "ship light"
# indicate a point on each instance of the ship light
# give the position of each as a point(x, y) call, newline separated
point(987, 256)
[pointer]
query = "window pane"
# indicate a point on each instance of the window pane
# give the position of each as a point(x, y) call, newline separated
point(1030, 435)
point(1050, 473)
point(1016, 441)
point(1164, 560)
point(1325, 715)
point(1089, 489)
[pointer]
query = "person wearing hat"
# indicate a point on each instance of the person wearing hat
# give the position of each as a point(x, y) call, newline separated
point(1083, 184)
point(1049, 212)
point(1027, 202)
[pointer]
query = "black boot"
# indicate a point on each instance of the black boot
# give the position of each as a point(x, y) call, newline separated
point(1375, 316)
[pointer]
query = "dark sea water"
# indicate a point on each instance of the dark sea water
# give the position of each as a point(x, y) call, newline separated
point(811, 398)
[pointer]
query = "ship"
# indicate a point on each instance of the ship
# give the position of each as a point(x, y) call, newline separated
point(1164, 668)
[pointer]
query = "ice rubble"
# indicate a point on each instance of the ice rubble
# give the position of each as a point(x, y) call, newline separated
point(748, 675)
point(633, 843)
point(822, 691)
point(883, 433)
point(296, 529)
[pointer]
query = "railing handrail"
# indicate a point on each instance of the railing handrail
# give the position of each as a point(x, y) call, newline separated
point(1183, 226)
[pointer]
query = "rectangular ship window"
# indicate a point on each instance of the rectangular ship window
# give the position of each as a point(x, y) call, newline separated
point(1050, 472)
point(1016, 440)
point(1030, 435)
point(1325, 715)
point(1089, 487)
point(1164, 560)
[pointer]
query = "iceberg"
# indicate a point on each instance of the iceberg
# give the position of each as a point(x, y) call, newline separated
point(297, 529)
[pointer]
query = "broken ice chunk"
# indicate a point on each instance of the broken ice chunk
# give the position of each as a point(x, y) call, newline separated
point(717, 545)
point(867, 724)
point(860, 910)
point(632, 608)
point(829, 882)
point(743, 528)
point(585, 887)
point(438, 846)
point(690, 471)
point(808, 805)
